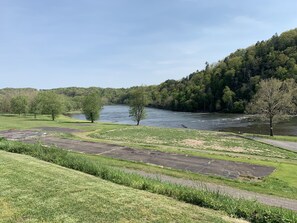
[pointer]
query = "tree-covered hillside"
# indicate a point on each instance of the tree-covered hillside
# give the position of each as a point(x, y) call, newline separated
point(229, 84)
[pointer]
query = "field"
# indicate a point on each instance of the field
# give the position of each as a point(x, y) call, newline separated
point(282, 182)
point(36, 191)
point(212, 145)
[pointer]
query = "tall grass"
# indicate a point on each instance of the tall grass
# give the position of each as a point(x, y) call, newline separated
point(249, 210)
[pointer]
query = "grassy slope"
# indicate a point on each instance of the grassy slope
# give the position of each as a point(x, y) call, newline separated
point(283, 182)
point(281, 138)
point(36, 191)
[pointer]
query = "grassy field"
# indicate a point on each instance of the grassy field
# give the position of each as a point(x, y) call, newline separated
point(35, 191)
point(281, 138)
point(218, 145)
point(250, 210)
point(191, 140)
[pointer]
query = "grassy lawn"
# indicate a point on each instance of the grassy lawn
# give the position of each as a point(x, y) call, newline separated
point(282, 182)
point(191, 140)
point(281, 138)
point(35, 191)
point(218, 145)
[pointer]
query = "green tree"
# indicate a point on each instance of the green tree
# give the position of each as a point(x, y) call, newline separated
point(51, 104)
point(35, 105)
point(228, 96)
point(137, 103)
point(19, 104)
point(273, 100)
point(91, 106)
point(5, 104)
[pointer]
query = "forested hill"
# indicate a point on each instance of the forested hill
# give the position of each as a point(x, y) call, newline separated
point(229, 84)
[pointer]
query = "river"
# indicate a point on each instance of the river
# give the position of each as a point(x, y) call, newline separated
point(203, 121)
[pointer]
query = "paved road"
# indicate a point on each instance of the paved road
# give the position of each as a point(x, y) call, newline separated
point(282, 144)
point(233, 192)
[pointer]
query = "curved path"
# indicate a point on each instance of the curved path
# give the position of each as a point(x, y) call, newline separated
point(233, 192)
point(281, 144)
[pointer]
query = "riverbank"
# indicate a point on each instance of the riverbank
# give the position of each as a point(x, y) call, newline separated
point(227, 122)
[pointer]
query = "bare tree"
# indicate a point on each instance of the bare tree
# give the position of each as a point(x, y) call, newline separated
point(273, 100)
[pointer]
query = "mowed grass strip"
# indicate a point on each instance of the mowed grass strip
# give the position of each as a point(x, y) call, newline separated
point(249, 210)
point(35, 191)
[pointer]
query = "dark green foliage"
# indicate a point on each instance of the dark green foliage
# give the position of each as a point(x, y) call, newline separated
point(91, 106)
point(229, 84)
point(51, 103)
point(249, 210)
point(19, 104)
point(35, 105)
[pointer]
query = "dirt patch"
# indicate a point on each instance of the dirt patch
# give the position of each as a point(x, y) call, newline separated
point(192, 142)
point(195, 164)
point(6, 210)
point(152, 140)
point(21, 135)
point(236, 149)
point(57, 129)
point(83, 124)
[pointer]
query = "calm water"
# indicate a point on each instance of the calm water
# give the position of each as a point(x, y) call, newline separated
point(203, 121)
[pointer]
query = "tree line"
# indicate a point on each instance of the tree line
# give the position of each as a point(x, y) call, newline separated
point(225, 86)
point(229, 84)
point(234, 84)
point(49, 102)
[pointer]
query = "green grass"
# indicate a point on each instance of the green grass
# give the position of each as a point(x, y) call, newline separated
point(281, 182)
point(276, 137)
point(249, 210)
point(29, 122)
point(191, 140)
point(36, 191)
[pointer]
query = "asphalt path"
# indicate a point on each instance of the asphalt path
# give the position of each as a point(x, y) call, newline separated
point(281, 144)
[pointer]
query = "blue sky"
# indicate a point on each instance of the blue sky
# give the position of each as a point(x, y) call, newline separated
point(122, 43)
